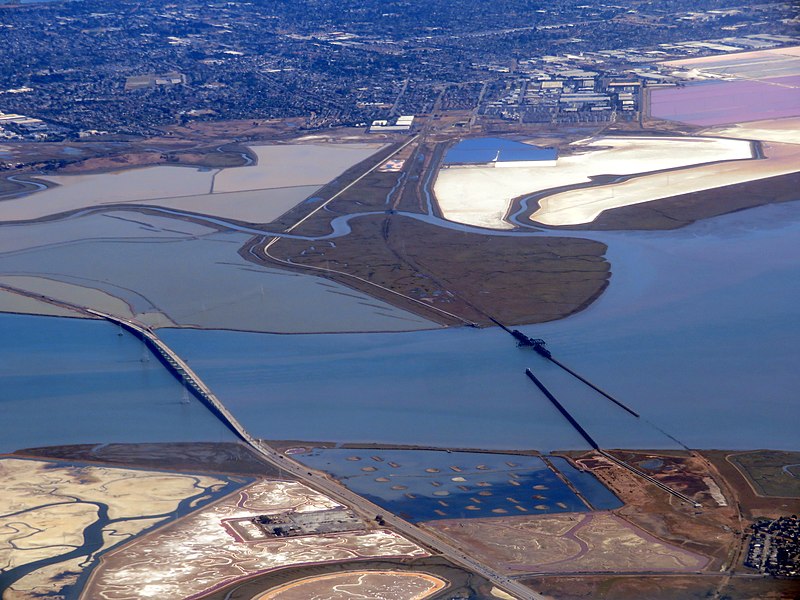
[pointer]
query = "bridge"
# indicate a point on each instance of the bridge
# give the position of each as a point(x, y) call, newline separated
point(182, 371)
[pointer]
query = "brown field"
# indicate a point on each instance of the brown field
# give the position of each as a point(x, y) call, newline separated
point(751, 504)
point(193, 144)
point(712, 530)
point(523, 280)
point(689, 475)
point(99, 156)
point(223, 457)
point(659, 587)
point(245, 129)
point(198, 157)
point(515, 280)
point(678, 211)
point(367, 195)
point(569, 543)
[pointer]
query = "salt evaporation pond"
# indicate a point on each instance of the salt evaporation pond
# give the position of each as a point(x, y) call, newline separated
point(425, 485)
point(485, 150)
point(598, 495)
point(72, 381)
point(697, 332)
point(729, 101)
point(191, 273)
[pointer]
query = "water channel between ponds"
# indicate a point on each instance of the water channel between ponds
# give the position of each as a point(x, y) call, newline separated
point(95, 534)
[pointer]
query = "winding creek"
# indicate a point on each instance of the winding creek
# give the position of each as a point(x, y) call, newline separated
point(93, 535)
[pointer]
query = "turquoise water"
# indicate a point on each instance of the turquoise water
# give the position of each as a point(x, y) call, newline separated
point(70, 381)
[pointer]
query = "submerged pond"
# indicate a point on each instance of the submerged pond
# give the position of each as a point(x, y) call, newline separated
point(423, 485)
point(485, 150)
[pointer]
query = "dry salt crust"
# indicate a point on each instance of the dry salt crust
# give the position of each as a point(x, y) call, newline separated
point(785, 131)
point(198, 553)
point(584, 205)
point(482, 196)
point(759, 64)
point(38, 527)
point(282, 166)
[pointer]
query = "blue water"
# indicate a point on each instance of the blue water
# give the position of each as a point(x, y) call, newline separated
point(704, 351)
point(701, 350)
point(461, 388)
point(424, 485)
point(598, 495)
point(484, 150)
point(71, 381)
point(651, 464)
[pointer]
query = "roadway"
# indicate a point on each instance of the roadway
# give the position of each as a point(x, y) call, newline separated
point(315, 480)
point(385, 289)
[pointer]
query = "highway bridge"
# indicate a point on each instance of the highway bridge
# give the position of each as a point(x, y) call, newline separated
point(313, 479)
point(183, 371)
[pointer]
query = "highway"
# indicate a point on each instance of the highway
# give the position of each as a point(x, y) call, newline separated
point(315, 480)
point(275, 240)
point(318, 481)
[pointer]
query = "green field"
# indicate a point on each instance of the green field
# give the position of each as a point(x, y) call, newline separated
point(772, 473)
